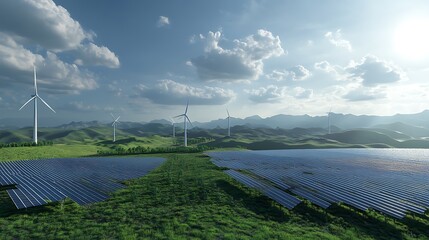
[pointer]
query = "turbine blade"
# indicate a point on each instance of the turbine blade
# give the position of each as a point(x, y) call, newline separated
point(112, 116)
point(117, 119)
point(181, 115)
point(27, 102)
point(189, 120)
point(41, 99)
point(187, 104)
point(35, 79)
point(227, 112)
point(172, 120)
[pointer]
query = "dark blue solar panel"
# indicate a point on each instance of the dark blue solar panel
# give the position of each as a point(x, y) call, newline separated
point(84, 180)
point(391, 181)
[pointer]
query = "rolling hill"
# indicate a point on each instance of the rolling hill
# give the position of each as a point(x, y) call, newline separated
point(243, 136)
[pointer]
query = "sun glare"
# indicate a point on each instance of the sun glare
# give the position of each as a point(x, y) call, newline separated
point(411, 39)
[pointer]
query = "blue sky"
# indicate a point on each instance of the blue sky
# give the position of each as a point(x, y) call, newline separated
point(143, 59)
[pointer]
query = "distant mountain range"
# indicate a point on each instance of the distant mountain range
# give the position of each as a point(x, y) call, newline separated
point(250, 136)
point(280, 131)
point(342, 121)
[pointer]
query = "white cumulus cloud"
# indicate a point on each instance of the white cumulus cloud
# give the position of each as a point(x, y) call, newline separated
point(337, 71)
point(174, 93)
point(42, 22)
point(242, 62)
point(91, 54)
point(163, 21)
point(302, 93)
point(336, 38)
point(362, 93)
point(49, 28)
point(296, 73)
point(373, 71)
point(299, 73)
point(16, 65)
point(269, 94)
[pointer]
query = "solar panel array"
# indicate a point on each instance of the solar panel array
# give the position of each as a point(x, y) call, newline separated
point(391, 181)
point(84, 180)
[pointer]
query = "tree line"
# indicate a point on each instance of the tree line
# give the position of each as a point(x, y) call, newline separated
point(148, 150)
point(26, 144)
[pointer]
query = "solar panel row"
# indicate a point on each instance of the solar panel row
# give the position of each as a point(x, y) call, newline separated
point(277, 195)
point(386, 181)
point(84, 180)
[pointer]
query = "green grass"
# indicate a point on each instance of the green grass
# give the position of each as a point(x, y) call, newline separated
point(190, 198)
point(56, 151)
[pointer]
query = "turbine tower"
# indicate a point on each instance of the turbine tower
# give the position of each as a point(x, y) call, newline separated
point(174, 127)
point(35, 97)
point(185, 123)
point(229, 125)
point(329, 120)
point(115, 121)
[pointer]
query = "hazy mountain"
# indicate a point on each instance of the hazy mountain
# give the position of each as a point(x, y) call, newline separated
point(342, 121)
point(80, 125)
point(413, 131)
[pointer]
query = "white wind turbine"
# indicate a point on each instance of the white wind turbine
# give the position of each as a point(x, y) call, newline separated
point(115, 122)
point(174, 127)
point(229, 125)
point(35, 97)
point(329, 120)
point(185, 122)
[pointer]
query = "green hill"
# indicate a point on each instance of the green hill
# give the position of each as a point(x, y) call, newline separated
point(362, 137)
point(413, 131)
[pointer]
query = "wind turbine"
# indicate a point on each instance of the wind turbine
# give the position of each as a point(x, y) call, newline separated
point(329, 120)
point(229, 125)
point(174, 127)
point(185, 122)
point(115, 121)
point(35, 97)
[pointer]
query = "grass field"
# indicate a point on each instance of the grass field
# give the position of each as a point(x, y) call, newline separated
point(190, 198)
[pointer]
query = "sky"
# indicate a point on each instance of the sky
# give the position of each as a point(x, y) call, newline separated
point(143, 60)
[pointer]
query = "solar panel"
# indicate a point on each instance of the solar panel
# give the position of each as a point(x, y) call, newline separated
point(84, 180)
point(391, 181)
point(281, 197)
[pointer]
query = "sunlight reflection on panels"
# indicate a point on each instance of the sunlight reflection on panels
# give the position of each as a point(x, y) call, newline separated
point(391, 181)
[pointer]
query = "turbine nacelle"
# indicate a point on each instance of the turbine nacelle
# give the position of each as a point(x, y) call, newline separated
point(115, 122)
point(185, 121)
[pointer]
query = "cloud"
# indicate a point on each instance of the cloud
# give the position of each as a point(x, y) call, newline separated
point(243, 62)
point(42, 22)
point(297, 73)
point(337, 71)
point(115, 88)
point(364, 94)
point(302, 93)
point(337, 39)
point(169, 92)
point(16, 65)
point(56, 74)
point(372, 71)
point(14, 56)
point(163, 21)
point(278, 75)
point(45, 26)
point(91, 54)
point(269, 94)
point(79, 106)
